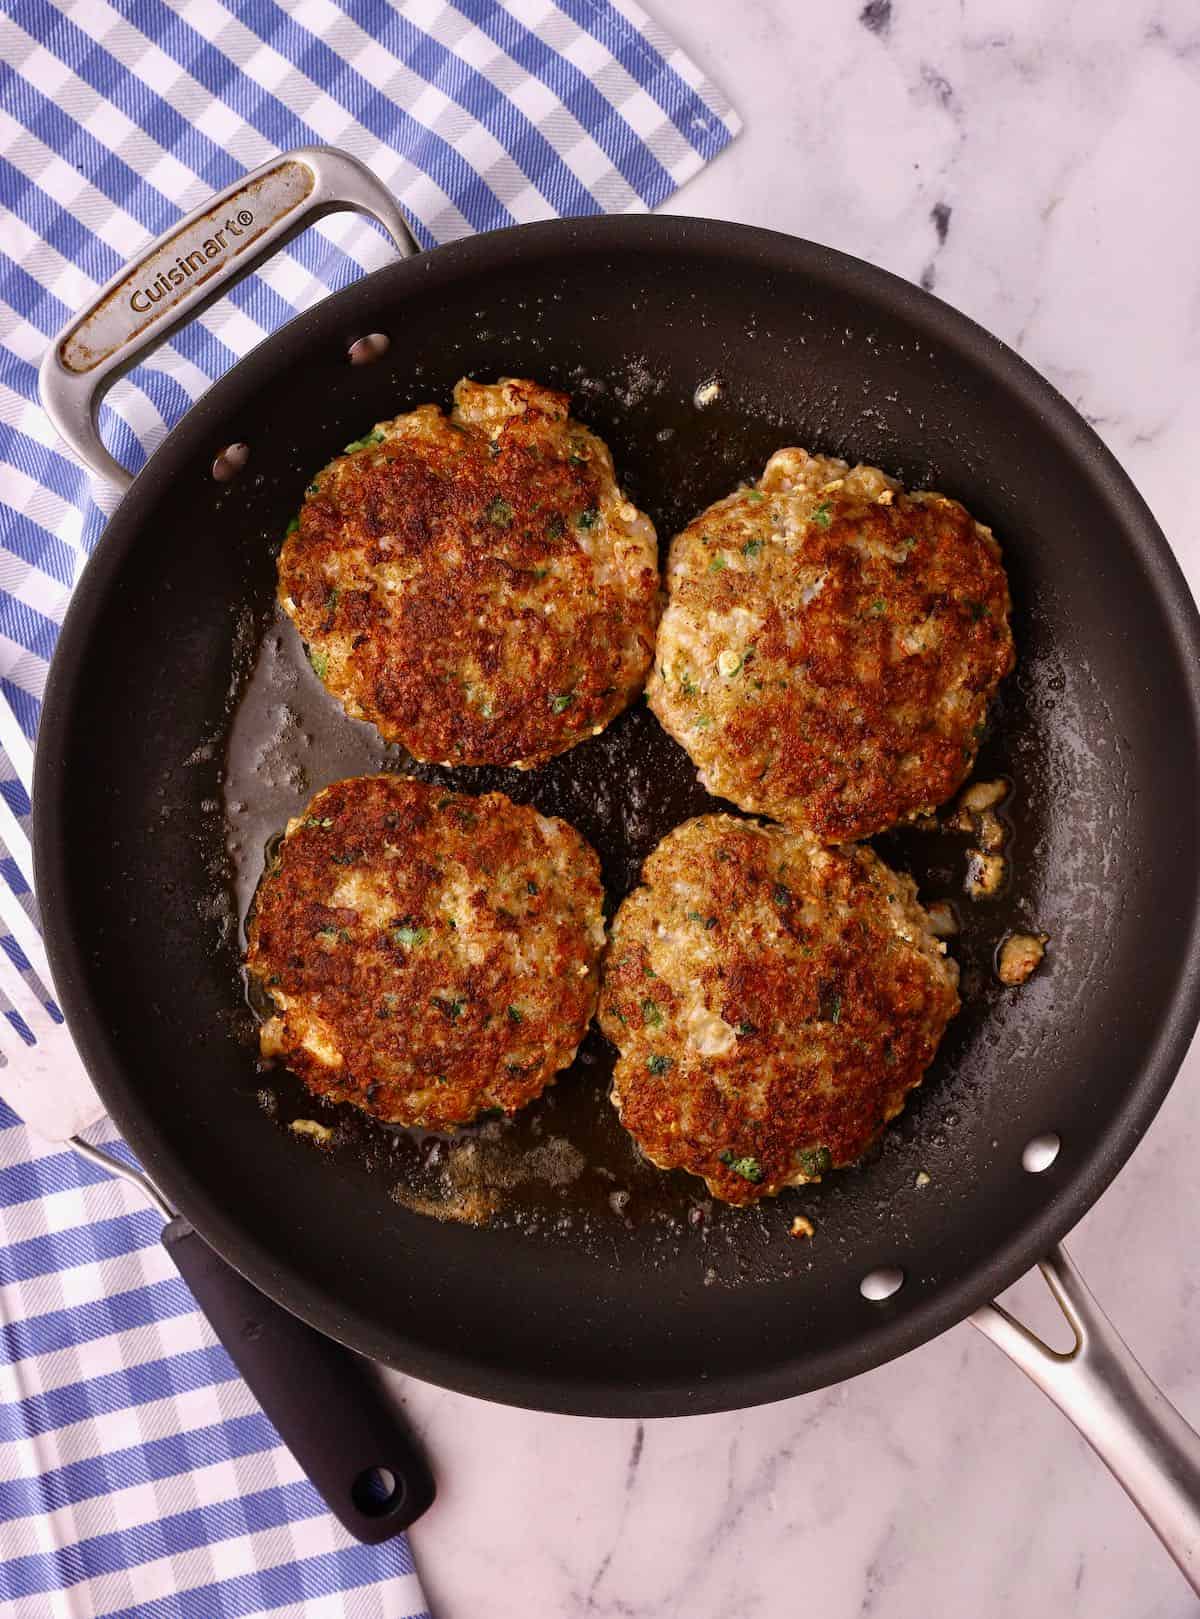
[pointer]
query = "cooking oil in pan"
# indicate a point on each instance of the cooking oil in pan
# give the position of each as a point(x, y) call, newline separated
point(565, 1157)
point(563, 1168)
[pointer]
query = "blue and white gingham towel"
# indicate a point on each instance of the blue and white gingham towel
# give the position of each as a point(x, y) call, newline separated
point(137, 1475)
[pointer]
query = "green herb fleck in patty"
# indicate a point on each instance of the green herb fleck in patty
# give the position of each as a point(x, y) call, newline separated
point(748, 1168)
point(365, 442)
point(813, 1161)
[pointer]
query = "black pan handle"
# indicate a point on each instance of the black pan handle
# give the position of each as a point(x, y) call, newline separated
point(192, 263)
point(330, 1411)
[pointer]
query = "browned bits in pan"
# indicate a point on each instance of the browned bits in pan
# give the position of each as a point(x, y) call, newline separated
point(1019, 957)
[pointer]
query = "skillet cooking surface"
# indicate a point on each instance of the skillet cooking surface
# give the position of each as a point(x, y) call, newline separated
point(182, 728)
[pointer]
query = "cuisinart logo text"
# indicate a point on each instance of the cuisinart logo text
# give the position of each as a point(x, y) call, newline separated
point(144, 298)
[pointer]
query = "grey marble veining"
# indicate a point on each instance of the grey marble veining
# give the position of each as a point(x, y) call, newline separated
point(1036, 165)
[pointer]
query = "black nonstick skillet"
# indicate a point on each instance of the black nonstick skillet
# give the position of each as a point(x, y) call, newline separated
point(638, 1306)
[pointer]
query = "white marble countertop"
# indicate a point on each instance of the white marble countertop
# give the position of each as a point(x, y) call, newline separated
point(1058, 144)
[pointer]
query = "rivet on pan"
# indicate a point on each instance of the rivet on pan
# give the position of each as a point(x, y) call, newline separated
point(1041, 1152)
point(368, 348)
point(882, 1283)
point(230, 462)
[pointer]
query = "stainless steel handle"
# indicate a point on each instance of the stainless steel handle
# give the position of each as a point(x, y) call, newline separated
point(188, 267)
point(1135, 1430)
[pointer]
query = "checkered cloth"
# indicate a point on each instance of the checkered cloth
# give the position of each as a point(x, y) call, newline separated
point(137, 1475)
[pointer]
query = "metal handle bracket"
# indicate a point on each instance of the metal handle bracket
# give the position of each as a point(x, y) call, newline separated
point(187, 268)
point(1153, 1453)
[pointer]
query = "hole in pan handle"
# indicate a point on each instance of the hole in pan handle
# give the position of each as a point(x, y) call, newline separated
point(333, 1415)
point(1131, 1425)
point(190, 265)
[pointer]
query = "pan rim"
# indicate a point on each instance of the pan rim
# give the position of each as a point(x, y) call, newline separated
point(888, 1331)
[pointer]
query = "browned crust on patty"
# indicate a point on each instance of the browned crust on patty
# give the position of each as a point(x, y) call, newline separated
point(869, 630)
point(430, 955)
point(773, 1001)
point(476, 585)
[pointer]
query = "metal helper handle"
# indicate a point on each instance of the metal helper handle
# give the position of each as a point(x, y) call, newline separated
point(186, 269)
point(1135, 1430)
